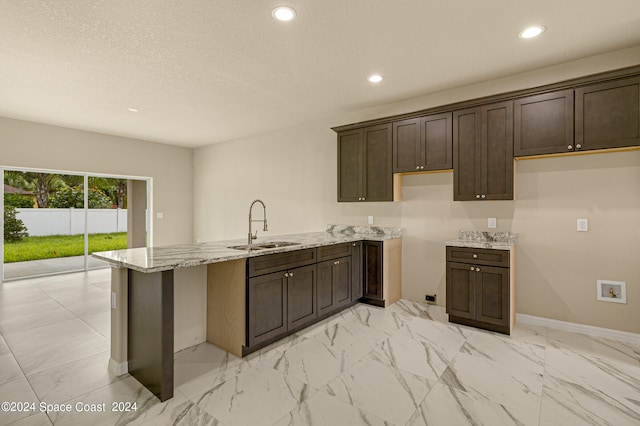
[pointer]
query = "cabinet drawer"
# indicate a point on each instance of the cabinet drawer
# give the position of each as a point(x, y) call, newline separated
point(261, 265)
point(334, 251)
point(477, 256)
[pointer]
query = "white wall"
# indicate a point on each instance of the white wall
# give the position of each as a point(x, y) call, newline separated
point(42, 222)
point(41, 146)
point(294, 172)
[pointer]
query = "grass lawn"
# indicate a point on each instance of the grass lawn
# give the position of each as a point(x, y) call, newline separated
point(36, 248)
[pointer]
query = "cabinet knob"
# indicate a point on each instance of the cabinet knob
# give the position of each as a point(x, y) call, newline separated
point(477, 196)
point(421, 167)
point(477, 269)
point(570, 147)
point(286, 274)
point(354, 244)
point(578, 146)
point(475, 256)
point(417, 167)
point(291, 273)
point(337, 262)
point(483, 196)
point(472, 268)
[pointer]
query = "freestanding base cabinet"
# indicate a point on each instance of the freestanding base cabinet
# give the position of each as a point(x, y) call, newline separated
point(481, 288)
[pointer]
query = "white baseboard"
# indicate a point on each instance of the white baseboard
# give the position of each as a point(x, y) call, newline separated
point(118, 368)
point(579, 328)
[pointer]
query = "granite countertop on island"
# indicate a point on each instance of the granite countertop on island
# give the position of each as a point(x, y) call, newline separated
point(482, 239)
point(156, 259)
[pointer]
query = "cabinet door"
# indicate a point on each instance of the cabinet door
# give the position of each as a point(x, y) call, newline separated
point(334, 284)
point(378, 172)
point(496, 158)
point(407, 149)
point(467, 135)
point(342, 281)
point(356, 271)
point(543, 124)
point(267, 305)
point(326, 291)
point(461, 290)
point(608, 115)
point(350, 165)
point(437, 140)
point(301, 296)
point(492, 295)
point(372, 252)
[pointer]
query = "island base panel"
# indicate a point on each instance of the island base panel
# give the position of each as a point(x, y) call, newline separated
point(150, 331)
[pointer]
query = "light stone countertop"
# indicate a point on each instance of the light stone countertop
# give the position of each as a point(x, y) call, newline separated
point(488, 240)
point(156, 259)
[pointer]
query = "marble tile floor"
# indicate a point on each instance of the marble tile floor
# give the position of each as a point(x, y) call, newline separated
point(404, 365)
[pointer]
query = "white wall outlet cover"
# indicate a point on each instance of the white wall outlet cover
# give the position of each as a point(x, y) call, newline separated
point(159, 215)
point(583, 225)
point(491, 223)
point(370, 220)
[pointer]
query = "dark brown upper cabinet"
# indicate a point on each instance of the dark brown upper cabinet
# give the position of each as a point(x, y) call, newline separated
point(543, 124)
point(608, 115)
point(483, 152)
point(365, 164)
point(423, 143)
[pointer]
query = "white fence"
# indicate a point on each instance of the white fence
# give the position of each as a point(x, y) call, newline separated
point(40, 222)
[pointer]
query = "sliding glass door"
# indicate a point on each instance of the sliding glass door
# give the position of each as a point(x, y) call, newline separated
point(53, 220)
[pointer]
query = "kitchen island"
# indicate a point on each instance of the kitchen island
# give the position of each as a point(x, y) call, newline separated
point(165, 299)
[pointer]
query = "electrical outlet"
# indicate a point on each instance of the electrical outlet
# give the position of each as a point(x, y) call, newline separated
point(113, 300)
point(430, 297)
point(370, 220)
point(583, 225)
point(491, 223)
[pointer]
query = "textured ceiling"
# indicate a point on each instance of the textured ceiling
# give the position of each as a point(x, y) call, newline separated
point(206, 71)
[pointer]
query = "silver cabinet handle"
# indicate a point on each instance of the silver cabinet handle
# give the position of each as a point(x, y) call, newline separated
point(477, 269)
point(475, 256)
point(570, 147)
point(477, 196)
point(472, 268)
point(578, 146)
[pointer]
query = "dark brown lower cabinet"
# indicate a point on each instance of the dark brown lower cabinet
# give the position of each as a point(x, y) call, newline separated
point(280, 301)
point(372, 268)
point(334, 285)
point(479, 295)
point(356, 271)
point(301, 296)
point(267, 307)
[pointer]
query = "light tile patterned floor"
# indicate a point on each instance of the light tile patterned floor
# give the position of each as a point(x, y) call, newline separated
point(404, 365)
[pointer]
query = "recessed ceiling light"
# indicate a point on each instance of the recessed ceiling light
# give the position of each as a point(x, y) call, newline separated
point(283, 13)
point(133, 109)
point(375, 78)
point(531, 32)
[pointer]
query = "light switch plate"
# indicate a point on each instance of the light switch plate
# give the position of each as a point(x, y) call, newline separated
point(113, 300)
point(491, 223)
point(370, 220)
point(583, 225)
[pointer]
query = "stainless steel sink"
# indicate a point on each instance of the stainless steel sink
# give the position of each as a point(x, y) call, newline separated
point(264, 246)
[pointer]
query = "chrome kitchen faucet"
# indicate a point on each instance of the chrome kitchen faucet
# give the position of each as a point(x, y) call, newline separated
point(251, 236)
